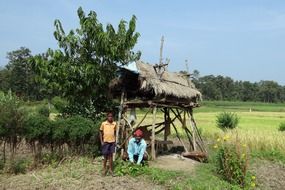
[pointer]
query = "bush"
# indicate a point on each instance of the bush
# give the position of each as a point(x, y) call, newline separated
point(282, 126)
point(126, 168)
point(227, 120)
point(44, 111)
point(11, 120)
point(37, 128)
point(232, 162)
point(81, 134)
point(18, 166)
point(51, 159)
point(60, 104)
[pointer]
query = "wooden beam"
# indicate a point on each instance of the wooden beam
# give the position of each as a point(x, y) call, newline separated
point(143, 118)
point(153, 153)
point(180, 140)
point(119, 121)
point(202, 146)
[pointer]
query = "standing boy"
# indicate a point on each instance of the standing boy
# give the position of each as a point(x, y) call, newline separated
point(108, 138)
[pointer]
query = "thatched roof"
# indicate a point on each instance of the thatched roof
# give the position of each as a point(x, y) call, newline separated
point(168, 83)
point(142, 80)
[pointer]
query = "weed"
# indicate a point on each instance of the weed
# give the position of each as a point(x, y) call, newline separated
point(227, 120)
point(18, 166)
point(282, 126)
point(232, 162)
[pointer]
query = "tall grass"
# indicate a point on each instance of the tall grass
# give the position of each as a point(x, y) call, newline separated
point(258, 129)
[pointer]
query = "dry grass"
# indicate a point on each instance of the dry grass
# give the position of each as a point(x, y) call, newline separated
point(74, 173)
point(259, 130)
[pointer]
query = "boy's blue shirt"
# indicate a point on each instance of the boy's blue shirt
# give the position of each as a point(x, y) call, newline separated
point(135, 148)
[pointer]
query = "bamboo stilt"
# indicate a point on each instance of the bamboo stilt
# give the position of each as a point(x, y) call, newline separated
point(180, 140)
point(153, 154)
point(119, 122)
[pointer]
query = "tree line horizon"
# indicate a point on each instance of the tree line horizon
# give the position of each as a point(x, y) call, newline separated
point(86, 61)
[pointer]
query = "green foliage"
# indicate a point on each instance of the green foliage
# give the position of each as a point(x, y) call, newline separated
point(20, 76)
point(227, 120)
point(79, 130)
point(60, 104)
point(225, 88)
point(51, 159)
point(37, 128)
point(126, 168)
point(44, 110)
point(232, 163)
point(11, 120)
point(4, 79)
point(86, 62)
point(59, 132)
point(282, 126)
point(18, 166)
point(271, 155)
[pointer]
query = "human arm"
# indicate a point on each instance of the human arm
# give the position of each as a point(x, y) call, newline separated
point(141, 153)
point(130, 151)
point(101, 134)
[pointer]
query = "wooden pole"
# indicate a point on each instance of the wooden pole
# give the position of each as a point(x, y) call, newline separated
point(119, 122)
point(180, 140)
point(153, 154)
point(193, 134)
point(166, 126)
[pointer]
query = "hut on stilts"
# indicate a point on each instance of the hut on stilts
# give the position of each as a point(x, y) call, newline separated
point(152, 87)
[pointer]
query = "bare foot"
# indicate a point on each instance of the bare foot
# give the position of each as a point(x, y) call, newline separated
point(112, 173)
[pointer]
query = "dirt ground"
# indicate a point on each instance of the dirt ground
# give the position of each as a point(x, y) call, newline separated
point(81, 174)
point(270, 176)
point(175, 162)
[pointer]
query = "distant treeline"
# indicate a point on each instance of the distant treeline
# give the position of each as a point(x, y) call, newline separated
point(225, 88)
point(20, 77)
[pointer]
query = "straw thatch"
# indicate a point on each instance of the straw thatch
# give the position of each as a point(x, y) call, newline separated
point(150, 83)
point(166, 83)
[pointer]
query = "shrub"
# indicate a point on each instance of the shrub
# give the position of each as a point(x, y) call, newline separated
point(282, 126)
point(79, 130)
point(227, 120)
point(81, 134)
point(18, 166)
point(60, 104)
point(11, 120)
point(126, 168)
point(37, 128)
point(44, 111)
point(232, 162)
point(51, 158)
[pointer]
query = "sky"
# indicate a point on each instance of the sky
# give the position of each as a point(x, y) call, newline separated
point(242, 39)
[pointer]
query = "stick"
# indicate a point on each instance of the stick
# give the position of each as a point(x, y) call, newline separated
point(153, 133)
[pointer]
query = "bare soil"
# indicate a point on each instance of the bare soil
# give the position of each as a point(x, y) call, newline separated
point(175, 162)
point(270, 176)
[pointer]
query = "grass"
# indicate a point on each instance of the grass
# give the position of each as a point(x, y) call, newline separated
point(219, 106)
point(257, 128)
point(84, 173)
point(201, 179)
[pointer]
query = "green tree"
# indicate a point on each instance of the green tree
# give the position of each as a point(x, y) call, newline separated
point(11, 119)
point(269, 91)
point(87, 60)
point(18, 66)
point(20, 75)
point(4, 79)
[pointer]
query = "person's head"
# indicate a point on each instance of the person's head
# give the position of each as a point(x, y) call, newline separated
point(110, 117)
point(138, 134)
